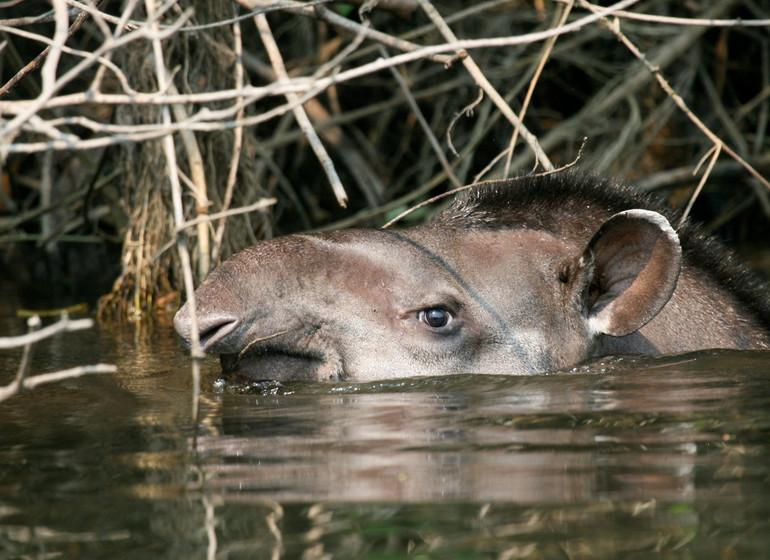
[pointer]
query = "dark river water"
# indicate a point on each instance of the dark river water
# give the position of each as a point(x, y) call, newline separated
point(627, 458)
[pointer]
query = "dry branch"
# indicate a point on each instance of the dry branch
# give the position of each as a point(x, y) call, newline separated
point(484, 84)
point(299, 113)
point(719, 145)
point(169, 152)
point(35, 335)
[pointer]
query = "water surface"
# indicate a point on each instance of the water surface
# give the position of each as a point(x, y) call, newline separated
point(626, 458)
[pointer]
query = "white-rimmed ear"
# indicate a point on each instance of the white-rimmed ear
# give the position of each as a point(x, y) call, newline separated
point(633, 261)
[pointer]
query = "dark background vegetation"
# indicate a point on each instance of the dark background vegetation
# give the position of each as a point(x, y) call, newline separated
point(78, 223)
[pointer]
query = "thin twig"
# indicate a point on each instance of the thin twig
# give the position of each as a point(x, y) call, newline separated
point(259, 205)
point(198, 177)
point(324, 14)
point(61, 17)
point(36, 380)
point(473, 185)
point(32, 382)
point(467, 111)
point(33, 324)
point(716, 149)
point(423, 123)
point(547, 49)
point(36, 334)
point(65, 324)
point(735, 136)
point(31, 108)
point(121, 25)
point(235, 156)
point(296, 85)
point(692, 22)
point(176, 196)
point(483, 83)
point(614, 26)
point(627, 83)
point(207, 119)
point(299, 113)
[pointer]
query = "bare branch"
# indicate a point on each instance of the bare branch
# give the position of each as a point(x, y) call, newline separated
point(176, 195)
point(235, 157)
point(299, 113)
point(321, 12)
point(547, 48)
point(29, 109)
point(484, 84)
point(423, 123)
point(65, 324)
point(655, 71)
point(32, 382)
point(261, 205)
point(35, 335)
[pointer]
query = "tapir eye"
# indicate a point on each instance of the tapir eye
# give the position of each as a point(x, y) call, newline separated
point(435, 317)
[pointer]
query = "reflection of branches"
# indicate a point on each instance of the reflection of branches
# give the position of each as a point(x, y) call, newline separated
point(65, 324)
point(210, 525)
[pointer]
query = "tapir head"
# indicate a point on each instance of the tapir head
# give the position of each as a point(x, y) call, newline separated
point(432, 300)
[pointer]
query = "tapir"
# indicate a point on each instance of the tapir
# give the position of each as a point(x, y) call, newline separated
point(519, 276)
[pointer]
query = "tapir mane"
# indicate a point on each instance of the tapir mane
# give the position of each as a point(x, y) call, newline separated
point(571, 206)
point(560, 204)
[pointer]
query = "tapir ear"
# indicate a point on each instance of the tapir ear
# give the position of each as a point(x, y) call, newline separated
point(633, 261)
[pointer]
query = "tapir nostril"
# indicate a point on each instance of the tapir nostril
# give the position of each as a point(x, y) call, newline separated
point(213, 329)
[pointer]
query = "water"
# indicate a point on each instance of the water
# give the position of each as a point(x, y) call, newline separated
point(626, 458)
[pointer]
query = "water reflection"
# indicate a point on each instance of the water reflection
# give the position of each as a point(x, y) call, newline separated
point(526, 440)
point(623, 456)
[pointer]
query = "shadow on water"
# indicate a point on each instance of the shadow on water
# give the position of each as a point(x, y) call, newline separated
point(628, 457)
